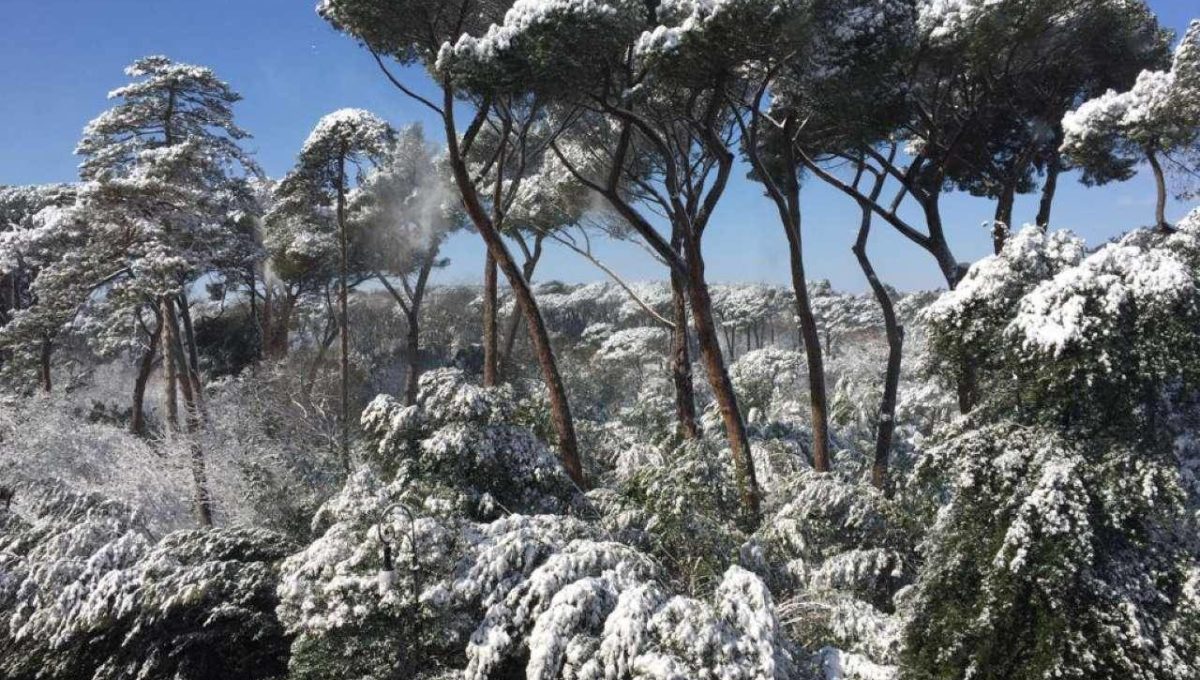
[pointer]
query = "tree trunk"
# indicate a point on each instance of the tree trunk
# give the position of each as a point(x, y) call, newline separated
point(812, 341)
point(895, 340)
point(1002, 222)
point(491, 301)
point(514, 320)
point(193, 354)
point(170, 377)
point(1160, 182)
point(564, 426)
point(718, 378)
point(137, 422)
point(681, 361)
point(202, 498)
point(1053, 168)
point(44, 355)
point(413, 344)
point(343, 313)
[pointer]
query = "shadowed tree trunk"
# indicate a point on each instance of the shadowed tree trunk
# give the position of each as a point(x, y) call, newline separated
point(44, 356)
point(681, 360)
point(1160, 185)
point(137, 421)
point(193, 354)
point(343, 313)
point(1049, 187)
point(491, 365)
point(202, 498)
point(886, 426)
point(532, 257)
point(1002, 222)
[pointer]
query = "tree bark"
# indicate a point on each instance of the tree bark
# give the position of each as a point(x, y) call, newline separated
point(491, 360)
point(560, 410)
point(170, 376)
point(895, 340)
point(44, 355)
point(413, 345)
point(193, 354)
point(681, 361)
point(528, 267)
point(202, 497)
point(812, 341)
point(343, 313)
point(1002, 222)
point(1049, 187)
point(137, 421)
point(718, 377)
point(1160, 182)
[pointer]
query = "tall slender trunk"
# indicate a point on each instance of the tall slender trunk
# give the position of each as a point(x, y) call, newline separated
point(560, 409)
point(812, 343)
point(681, 361)
point(491, 360)
point(718, 377)
point(343, 313)
point(1160, 182)
point(44, 356)
point(170, 376)
point(886, 426)
point(202, 497)
point(1049, 187)
point(193, 354)
point(137, 422)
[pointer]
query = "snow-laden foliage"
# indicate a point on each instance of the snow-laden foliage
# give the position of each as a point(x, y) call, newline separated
point(89, 593)
point(1107, 136)
point(1053, 559)
point(546, 594)
point(459, 439)
point(766, 377)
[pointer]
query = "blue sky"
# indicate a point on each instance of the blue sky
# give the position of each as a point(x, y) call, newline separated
point(61, 57)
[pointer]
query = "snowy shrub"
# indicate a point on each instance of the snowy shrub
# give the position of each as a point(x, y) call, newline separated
point(460, 437)
point(1053, 559)
point(548, 595)
point(90, 594)
point(765, 377)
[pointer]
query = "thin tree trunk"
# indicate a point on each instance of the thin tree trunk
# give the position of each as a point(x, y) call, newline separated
point(343, 313)
point(1160, 181)
point(812, 345)
point(137, 422)
point(193, 354)
point(560, 409)
point(202, 497)
point(45, 354)
point(681, 361)
point(170, 377)
point(514, 320)
point(1049, 187)
point(491, 360)
point(886, 426)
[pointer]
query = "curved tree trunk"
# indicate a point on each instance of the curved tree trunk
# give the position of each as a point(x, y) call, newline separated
point(895, 340)
point(413, 344)
point(491, 360)
point(1002, 222)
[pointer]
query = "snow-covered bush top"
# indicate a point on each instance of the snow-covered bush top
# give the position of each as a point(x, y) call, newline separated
point(458, 437)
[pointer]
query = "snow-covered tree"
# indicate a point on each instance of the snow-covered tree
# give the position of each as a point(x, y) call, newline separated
point(403, 213)
point(1157, 120)
point(340, 149)
point(89, 593)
